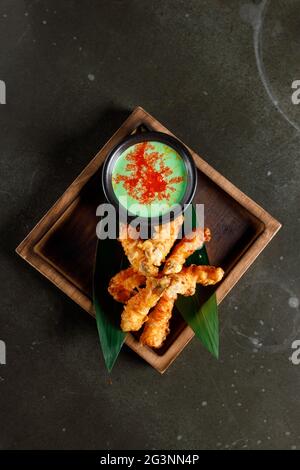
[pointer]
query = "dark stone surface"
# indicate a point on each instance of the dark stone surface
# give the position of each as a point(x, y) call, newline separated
point(73, 71)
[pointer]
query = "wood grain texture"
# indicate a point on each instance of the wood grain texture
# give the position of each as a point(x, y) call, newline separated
point(62, 245)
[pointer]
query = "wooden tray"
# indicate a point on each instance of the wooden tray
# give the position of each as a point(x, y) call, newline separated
point(62, 245)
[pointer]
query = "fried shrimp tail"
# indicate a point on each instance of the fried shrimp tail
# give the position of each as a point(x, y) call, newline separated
point(157, 247)
point(122, 286)
point(157, 326)
point(184, 249)
point(136, 310)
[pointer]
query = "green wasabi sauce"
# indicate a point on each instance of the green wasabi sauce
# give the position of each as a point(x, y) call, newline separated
point(149, 178)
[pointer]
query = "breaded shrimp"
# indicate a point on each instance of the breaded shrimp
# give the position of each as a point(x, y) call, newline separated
point(132, 246)
point(206, 275)
point(122, 286)
point(136, 310)
point(157, 247)
point(157, 326)
point(184, 249)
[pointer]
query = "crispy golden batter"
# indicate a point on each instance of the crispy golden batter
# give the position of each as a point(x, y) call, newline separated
point(207, 275)
point(157, 326)
point(161, 290)
point(132, 246)
point(122, 286)
point(146, 256)
point(184, 249)
point(157, 247)
point(184, 283)
point(136, 310)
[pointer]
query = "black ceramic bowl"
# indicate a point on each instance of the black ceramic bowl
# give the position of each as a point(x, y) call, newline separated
point(166, 139)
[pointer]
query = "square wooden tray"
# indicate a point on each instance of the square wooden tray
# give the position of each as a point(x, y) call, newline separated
point(62, 245)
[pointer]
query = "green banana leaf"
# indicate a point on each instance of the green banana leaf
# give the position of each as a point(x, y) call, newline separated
point(201, 311)
point(109, 261)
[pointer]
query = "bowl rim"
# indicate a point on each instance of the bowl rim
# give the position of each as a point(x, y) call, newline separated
point(147, 136)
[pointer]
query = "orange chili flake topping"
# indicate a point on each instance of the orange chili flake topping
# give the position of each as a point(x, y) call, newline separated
point(149, 178)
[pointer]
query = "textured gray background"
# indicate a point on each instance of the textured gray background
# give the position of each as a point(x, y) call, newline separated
point(73, 70)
